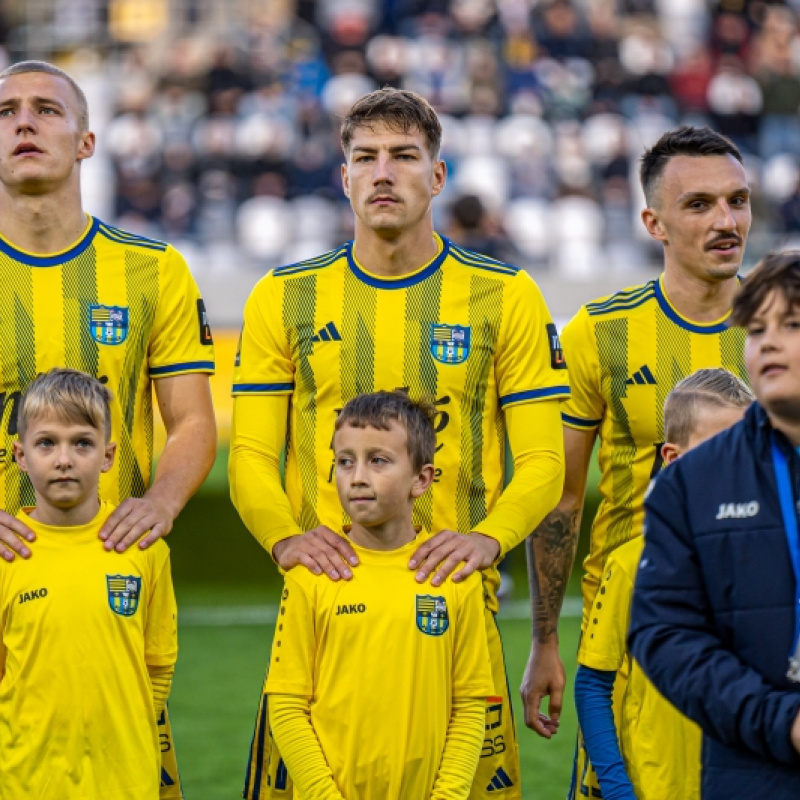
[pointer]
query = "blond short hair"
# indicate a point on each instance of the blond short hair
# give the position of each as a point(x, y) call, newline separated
point(25, 67)
point(71, 396)
point(706, 388)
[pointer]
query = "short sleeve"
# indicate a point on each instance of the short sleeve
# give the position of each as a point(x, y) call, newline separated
point(603, 644)
point(263, 362)
point(530, 364)
point(472, 674)
point(585, 407)
point(291, 664)
point(161, 629)
point(181, 338)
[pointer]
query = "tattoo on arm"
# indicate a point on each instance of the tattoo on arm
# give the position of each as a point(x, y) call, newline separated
point(551, 551)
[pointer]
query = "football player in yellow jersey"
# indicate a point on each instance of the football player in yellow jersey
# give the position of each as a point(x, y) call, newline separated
point(399, 307)
point(625, 353)
point(88, 637)
point(411, 668)
point(82, 294)
point(660, 747)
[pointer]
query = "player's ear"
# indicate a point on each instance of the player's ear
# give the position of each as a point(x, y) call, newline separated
point(653, 225)
point(19, 454)
point(345, 181)
point(439, 176)
point(108, 457)
point(86, 145)
point(423, 481)
point(670, 452)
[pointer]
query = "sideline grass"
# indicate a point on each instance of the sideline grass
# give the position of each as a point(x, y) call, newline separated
point(217, 686)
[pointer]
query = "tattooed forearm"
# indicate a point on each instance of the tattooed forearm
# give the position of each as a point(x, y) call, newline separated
point(551, 551)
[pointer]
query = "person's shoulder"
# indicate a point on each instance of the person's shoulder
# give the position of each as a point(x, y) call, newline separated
point(470, 260)
point(622, 303)
point(129, 240)
point(311, 265)
point(271, 284)
point(626, 557)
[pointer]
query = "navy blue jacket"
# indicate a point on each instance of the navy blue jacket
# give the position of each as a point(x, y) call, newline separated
point(713, 616)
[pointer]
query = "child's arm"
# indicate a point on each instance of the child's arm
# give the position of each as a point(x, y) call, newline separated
point(290, 723)
point(462, 749)
point(594, 689)
point(161, 629)
point(601, 654)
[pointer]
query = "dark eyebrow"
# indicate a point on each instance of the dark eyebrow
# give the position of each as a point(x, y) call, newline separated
point(51, 101)
point(396, 149)
point(689, 196)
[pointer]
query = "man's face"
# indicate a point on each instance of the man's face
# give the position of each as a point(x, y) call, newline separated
point(772, 357)
point(701, 214)
point(41, 136)
point(63, 460)
point(375, 478)
point(390, 179)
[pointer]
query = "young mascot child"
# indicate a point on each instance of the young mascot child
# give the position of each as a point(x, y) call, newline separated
point(88, 638)
point(377, 686)
point(660, 748)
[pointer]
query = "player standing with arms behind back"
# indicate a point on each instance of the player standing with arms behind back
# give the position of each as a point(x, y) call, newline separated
point(79, 293)
point(399, 307)
point(626, 352)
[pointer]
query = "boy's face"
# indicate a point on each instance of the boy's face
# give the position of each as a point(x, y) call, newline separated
point(64, 460)
point(375, 478)
point(708, 422)
point(772, 356)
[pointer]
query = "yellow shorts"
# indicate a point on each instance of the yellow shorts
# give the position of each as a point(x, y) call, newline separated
point(170, 780)
point(498, 772)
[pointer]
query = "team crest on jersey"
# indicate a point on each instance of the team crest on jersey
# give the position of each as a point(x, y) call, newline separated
point(108, 324)
point(123, 593)
point(450, 344)
point(432, 614)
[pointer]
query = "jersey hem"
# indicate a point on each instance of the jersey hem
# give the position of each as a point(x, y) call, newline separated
point(578, 422)
point(262, 388)
point(175, 369)
point(548, 393)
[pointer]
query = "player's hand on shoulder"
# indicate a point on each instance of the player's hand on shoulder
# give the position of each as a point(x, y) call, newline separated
point(544, 677)
point(13, 535)
point(132, 519)
point(442, 553)
point(318, 550)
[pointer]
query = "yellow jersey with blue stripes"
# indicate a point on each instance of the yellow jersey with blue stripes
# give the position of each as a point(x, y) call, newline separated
point(469, 332)
point(116, 305)
point(625, 353)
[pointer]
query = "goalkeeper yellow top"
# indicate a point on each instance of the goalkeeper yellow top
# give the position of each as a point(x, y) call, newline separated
point(381, 658)
point(79, 627)
point(472, 333)
point(123, 308)
point(626, 352)
point(660, 746)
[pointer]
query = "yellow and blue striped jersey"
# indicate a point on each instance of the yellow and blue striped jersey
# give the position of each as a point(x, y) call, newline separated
point(469, 332)
point(118, 306)
point(626, 352)
point(660, 746)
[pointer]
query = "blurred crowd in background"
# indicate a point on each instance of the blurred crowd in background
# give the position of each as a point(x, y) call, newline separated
point(218, 120)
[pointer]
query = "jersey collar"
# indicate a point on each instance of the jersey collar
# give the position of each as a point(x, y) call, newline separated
point(403, 281)
point(54, 259)
point(694, 327)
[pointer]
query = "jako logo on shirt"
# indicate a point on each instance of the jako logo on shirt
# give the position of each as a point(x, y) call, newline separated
point(353, 608)
point(738, 510)
point(34, 594)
